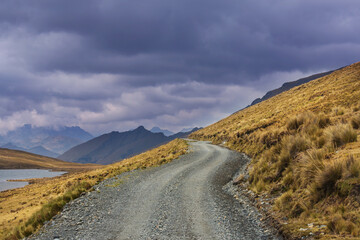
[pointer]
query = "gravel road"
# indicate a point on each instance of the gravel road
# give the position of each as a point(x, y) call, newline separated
point(185, 199)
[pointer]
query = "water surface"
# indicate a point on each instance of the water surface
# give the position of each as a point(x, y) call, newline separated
point(15, 174)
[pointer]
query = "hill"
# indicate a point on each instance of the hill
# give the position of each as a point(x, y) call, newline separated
point(288, 85)
point(13, 147)
point(56, 140)
point(40, 150)
point(14, 159)
point(116, 146)
point(305, 154)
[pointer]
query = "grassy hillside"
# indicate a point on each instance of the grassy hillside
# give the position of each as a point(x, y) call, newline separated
point(13, 159)
point(24, 210)
point(305, 153)
point(288, 85)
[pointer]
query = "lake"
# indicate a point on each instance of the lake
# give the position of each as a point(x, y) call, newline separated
point(15, 174)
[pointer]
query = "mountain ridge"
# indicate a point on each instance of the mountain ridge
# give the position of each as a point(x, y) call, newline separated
point(39, 150)
point(56, 140)
point(289, 85)
point(116, 146)
point(164, 131)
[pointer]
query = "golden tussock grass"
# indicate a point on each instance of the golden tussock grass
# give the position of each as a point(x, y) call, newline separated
point(305, 153)
point(24, 210)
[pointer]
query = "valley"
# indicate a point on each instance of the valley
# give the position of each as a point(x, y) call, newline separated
point(304, 167)
point(184, 119)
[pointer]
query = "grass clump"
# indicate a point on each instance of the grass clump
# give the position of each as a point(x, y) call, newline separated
point(339, 111)
point(341, 134)
point(355, 122)
point(340, 224)
point(326, 179)
point(310, 163)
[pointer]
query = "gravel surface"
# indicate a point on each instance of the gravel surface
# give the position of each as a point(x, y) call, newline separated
point(189, 198)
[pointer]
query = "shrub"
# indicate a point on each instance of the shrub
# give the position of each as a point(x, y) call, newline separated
point(338, 111)
point(355, 122)
point(285, 201)
point(296, 144)
point(339, 225)
point(296, 209)
point(308, 122)
point(326, 179)
point(310, 164)
point(320, 141)
point(288, 179)
point(300, 119)
point(270, 138)
point(340, 135)
point(294, 123)
point(352, 167)
point(323, 120)
point(356, 108)
point(260, 186)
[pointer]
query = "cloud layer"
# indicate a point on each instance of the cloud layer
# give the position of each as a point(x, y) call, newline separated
point(112, 65)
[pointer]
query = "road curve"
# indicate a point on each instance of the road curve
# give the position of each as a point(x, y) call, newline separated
point(180, 200)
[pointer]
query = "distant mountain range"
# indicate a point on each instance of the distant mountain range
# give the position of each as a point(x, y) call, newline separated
point(159, 130)
point(39, 150)
point(115, 146)
point(49, 142)
point(288, 85)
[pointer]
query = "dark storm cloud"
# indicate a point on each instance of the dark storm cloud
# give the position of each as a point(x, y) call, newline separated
point(105, 64)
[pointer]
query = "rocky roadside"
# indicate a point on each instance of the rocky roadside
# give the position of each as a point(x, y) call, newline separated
point(258, 206)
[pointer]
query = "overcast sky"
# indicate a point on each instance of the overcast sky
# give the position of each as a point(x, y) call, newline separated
point(116, 64)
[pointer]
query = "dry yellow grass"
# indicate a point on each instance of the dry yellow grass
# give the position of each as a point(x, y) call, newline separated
point(305, 153)
point(20, 207)
point(12, 159)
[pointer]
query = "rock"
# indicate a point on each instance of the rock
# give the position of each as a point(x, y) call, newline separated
point(303, 229)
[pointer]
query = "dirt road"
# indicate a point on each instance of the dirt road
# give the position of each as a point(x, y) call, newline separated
point(184, 199)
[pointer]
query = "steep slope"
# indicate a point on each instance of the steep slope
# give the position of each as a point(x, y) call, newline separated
point(13, 159)
point(305, 153)
point(288, 85)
